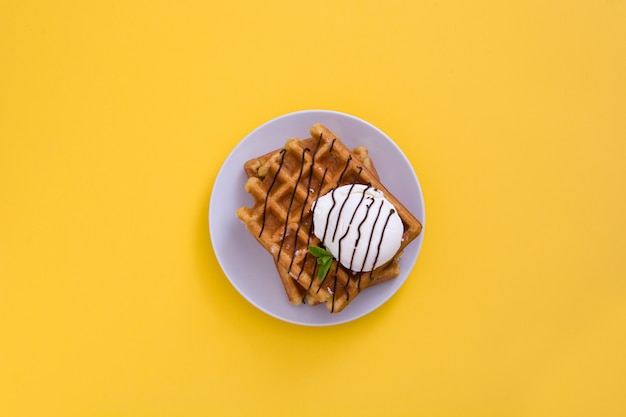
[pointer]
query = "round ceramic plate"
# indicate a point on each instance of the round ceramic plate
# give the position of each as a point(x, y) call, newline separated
point(250, 268)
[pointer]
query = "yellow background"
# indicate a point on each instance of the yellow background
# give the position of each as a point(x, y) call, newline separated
point(115, 118)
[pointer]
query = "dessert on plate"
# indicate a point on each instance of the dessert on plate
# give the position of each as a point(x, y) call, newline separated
point(322, 213)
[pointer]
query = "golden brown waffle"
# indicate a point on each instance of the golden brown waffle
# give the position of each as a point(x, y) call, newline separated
point(296, 293)
point(284, 185)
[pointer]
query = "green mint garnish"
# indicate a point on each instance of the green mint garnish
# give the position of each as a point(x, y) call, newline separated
point(324, 260)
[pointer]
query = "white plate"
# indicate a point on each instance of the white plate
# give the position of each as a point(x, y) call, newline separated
point(250, 268)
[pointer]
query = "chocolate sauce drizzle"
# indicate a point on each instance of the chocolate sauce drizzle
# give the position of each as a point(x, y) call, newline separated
point(293, 195)
point(280, 166)
point(358, 238)
point(345, 287)
point(306, 199)
point(358, 229)
point(337, 263)
point(356, 209)
point(382, 235)
point(342, 206)
point(308, 241)
point(332, 195)
point(369, 243)
point(319, 191)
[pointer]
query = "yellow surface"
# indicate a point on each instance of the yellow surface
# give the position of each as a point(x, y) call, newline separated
point(116, 116)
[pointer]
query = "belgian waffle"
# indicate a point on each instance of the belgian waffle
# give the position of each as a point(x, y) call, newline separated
point(296, 293)
point(284, 184)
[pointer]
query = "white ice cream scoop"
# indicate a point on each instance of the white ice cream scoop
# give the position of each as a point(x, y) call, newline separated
point(358, 225)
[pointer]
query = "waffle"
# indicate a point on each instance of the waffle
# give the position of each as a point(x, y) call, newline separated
point(284, 184)
point(296, 293)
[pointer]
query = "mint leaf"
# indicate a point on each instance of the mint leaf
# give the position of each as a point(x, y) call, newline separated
point(324, 267)
point(324, 260)
point(319, 252)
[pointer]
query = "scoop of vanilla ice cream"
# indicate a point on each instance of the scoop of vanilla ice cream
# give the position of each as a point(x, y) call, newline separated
point(358, 225)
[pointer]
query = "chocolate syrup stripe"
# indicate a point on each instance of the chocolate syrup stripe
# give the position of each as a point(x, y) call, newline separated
point(368, 206)
point(306, 256)
point(280, 166)
point(332, 207)
point(308, 241)
point(332, 194)
point(343, 205)
point(293, 195)
point(382, 235)
point(362, 273)
point(358, 229)
point(311, 232)
point(356, 242)
point(369, 243)
point(306, 199)
point(337, 264)
point(356, 209)
point(358, 238)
